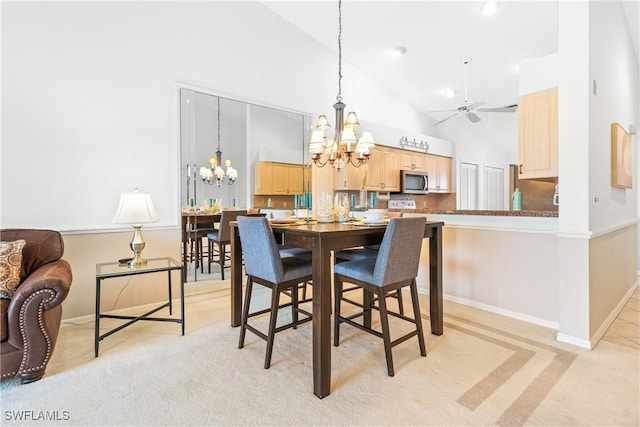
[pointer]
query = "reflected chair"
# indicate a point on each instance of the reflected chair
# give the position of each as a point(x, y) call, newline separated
point(265, 266)
point(395, 267)
point(370, 251)
point(198, 229)
point(221, 238)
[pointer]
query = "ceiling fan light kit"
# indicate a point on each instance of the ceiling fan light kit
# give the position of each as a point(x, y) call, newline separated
point(489, 7)
point(399, 51)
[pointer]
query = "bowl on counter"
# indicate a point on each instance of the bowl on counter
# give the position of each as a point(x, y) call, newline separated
point(374, 215)
point(280, 214)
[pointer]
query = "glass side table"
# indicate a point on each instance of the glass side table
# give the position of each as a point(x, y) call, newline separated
point(110, 270)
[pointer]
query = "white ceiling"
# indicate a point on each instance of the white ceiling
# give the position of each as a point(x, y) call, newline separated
point(437, 34)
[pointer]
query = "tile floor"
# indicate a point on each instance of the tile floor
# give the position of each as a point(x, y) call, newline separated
point(625, 330)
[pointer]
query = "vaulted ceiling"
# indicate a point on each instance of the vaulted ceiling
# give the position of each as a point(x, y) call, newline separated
point(437, 35)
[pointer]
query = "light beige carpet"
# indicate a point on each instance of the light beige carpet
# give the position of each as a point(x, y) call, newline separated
point(484, 370)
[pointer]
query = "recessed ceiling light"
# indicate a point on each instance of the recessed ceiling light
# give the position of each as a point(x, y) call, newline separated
point(399, 51)
point(449, 93)
point(489, 7)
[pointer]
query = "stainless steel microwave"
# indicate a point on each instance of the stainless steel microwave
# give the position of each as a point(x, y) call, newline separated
point(414, 182)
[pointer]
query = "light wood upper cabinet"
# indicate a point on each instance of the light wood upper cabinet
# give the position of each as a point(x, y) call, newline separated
point(439, 170)
point(384, 169)
point(280, 178)
point(273, 178)
point(296, 179)
point(410, 160)
point(263, 178)
point(538, 134)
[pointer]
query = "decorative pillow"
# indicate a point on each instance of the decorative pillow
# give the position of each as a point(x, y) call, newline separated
point(10, 266)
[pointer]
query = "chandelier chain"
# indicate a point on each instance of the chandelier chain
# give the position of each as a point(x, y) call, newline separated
point(218, 123)
point(339, 97)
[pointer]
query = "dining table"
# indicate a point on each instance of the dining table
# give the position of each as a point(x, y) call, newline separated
point(321, 239)
point(190, 222)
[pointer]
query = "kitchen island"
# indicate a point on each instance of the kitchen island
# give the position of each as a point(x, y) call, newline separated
point(504, 262)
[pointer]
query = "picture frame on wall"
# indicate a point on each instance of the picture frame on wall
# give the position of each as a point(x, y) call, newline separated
point(621, 158)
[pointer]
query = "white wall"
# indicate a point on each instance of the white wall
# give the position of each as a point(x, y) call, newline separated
point(594, 44)
point(490, 142)
point(614, 66)
point(613, 255)
point(89, 92)
point(90, 108)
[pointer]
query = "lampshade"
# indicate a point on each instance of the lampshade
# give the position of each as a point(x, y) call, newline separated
point(135, 207)
point(322, 122)
point(317, 142)
point(365, 143)
point(352, 120)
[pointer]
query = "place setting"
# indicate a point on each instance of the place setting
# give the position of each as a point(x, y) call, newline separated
point(372, 218)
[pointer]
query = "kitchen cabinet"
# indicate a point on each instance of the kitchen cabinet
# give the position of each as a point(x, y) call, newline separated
point(410, 160)
point(263, 173)
point(538, 134)
point(439, 170)
point(383, 169)
point(272, 178)
point(349, 178)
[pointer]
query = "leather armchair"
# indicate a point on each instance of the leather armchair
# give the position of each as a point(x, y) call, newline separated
point(31, 318)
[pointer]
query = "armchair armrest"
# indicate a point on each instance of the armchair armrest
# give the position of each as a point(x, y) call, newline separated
point(42, 290)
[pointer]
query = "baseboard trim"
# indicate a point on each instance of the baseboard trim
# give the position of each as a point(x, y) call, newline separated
point(597, 336)
point(498, 310)
point(569, 339)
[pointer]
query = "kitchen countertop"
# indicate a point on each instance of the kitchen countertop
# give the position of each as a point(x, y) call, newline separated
point(540, 214)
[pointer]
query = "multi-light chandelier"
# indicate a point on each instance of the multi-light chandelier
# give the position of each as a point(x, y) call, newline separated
point(215, 174)
point(345, 148)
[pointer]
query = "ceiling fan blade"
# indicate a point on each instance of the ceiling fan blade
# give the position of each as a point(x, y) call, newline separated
point(444, 120)
point(473, 117)
point(505, 109)
point(473, 105)
point(441, 111)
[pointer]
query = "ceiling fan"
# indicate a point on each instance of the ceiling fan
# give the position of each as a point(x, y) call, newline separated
point(468, 108)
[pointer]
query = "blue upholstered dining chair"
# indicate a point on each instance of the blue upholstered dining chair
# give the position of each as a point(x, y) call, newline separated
point(369, 251)
point(264, 265)
point(221, 238)
point(395, 267)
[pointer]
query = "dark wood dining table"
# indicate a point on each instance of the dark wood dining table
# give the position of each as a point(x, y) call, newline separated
point(322, 239)
point(190, 222)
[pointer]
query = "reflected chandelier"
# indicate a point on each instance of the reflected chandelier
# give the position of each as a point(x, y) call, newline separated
point(345, 148)
point(215, 174)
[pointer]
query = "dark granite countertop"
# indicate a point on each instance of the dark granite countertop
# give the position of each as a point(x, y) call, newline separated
point(540, 214)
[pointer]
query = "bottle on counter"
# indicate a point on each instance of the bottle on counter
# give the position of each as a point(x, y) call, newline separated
point(516, 198)
point(269, 202)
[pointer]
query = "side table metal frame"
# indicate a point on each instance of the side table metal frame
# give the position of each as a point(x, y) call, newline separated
point(173, 265)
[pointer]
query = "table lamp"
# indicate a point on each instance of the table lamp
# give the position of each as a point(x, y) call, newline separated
point(136, 208)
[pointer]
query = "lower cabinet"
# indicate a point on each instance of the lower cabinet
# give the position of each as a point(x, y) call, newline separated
point(439, 170)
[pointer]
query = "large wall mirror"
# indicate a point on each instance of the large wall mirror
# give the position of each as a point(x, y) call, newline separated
point(244, 133)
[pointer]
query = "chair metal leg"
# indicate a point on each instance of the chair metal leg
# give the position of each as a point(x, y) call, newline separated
point(386, 337)
point(245, 312)
point(336, 306)
point(221, 256)
point(275, 302)
point(199, 250)
point(417, 316)
point(294, 305)
point(209, 254)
